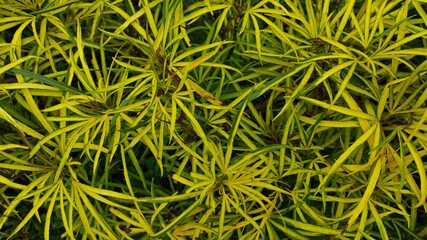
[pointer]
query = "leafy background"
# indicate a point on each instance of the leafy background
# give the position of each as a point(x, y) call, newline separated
point(213, 119)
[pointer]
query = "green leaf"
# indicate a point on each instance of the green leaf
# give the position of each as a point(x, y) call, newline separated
point(48, 81)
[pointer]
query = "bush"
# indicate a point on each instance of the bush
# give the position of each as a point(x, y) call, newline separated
point(219, 119)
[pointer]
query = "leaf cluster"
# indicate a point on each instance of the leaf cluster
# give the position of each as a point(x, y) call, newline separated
point(214, 119)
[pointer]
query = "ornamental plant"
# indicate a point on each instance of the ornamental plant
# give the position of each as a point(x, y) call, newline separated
point(214, 119)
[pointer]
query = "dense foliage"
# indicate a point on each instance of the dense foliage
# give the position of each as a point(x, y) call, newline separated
point(214, 119)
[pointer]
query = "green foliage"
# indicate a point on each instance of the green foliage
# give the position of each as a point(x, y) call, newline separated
point(222, 119)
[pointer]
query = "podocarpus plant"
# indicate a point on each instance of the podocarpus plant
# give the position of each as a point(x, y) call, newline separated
point(213, 119)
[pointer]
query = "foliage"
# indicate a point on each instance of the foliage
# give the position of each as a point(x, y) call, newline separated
point(222, 119)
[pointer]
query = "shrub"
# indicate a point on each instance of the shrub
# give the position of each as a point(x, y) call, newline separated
point(219, 119)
